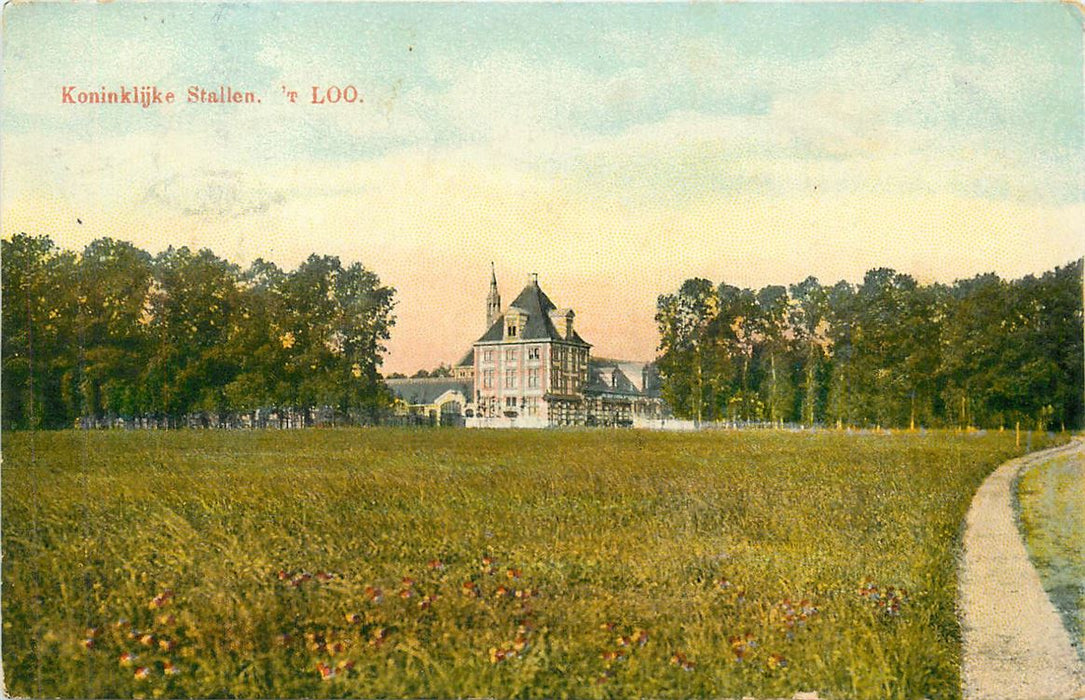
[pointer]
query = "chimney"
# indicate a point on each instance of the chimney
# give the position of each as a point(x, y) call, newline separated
point(563, 322)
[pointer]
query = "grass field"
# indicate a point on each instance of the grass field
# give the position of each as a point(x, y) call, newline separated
point(1051, 499)
point(468, 563)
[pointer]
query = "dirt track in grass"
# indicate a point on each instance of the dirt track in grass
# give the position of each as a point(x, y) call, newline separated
point(1015, 646)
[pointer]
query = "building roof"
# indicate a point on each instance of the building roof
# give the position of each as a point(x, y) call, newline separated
point(468, 360)
point(620, 377)
point(424, 391)
point(534, 304)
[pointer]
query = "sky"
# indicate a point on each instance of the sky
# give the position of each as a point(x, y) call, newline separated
point(614, 149)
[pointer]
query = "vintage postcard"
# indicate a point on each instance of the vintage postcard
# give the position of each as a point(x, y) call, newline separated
point(586, 350)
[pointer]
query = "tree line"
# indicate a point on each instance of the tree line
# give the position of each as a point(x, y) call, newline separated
point(982, 352)
point(114, 333)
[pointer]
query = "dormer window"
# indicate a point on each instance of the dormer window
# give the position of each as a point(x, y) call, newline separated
point(512, 330)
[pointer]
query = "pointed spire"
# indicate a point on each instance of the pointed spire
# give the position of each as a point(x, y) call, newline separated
point(493, 301)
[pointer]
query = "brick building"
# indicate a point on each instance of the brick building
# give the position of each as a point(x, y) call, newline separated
point(530, 368)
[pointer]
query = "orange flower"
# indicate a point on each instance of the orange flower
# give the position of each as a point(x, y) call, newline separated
point(326, 671)
point(407, 582)
point(776, 661)
point(469, 589)
point(679, 659)
point(435, 564)
point(160, 600)
point(513, 573)
point(147, 640)
point(128, 658)
point(165, 645)
point(353, 618)
point(374, 594)
point(406, 593)
point(640, 637)
point(501, 592)
point(142, 673)
point(169, 669)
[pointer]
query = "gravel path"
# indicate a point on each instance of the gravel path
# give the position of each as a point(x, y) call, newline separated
point(1015, 647)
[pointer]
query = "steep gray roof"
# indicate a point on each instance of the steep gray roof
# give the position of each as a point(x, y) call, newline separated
point(427, 390)
point(620, 377)
point(468, 360)
point(537, 306)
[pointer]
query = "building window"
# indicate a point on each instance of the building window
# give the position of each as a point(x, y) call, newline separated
point(512, 331)
point(533, 378)
point(487, 379)
point(488, 356)
point(510, 402)
point(510, 379)
point(510, 355)
point(533, 353)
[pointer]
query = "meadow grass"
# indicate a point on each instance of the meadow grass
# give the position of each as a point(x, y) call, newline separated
point(400, 563)
point(1051, 507)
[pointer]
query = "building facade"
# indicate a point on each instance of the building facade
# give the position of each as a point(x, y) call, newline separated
point(531, 368)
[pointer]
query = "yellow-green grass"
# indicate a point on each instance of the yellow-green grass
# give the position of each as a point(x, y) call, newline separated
point(1051, 499)
point(695, 541)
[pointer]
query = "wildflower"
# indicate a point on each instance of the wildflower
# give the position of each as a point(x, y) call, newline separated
point(613, 655)
point(335, 648)
point(160, 600)
point(427, 601)
point(147, 640)
point(353, 618)
point(88, 642)
point(513, 573)
point(520, 644)
point(406, 593)
point(608, 626)
point(722, 583)
point(345, 665)
point(776, 661)
point(624, 641)
point(128, 658)
point(283, 575)
point(326, 671)
point(640, 637)
point(469, 589)
point(435, 564)
point(374, 594)
point(165, 645)
point(407, 582)
point(741, 645)
point(501, 592)
point(169, 669)
point(166, 620)
point(92, 632)
point(377, 637)
point(324, 576)
point(679, 659)
point(121, 623)
point(142, 673)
